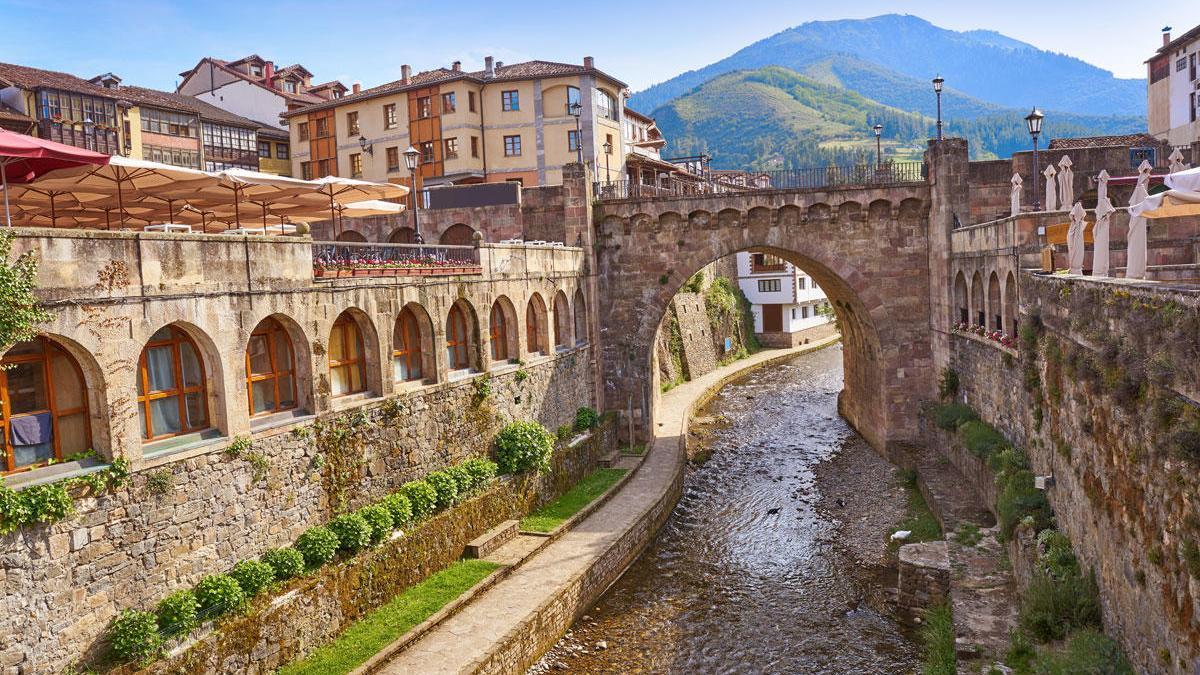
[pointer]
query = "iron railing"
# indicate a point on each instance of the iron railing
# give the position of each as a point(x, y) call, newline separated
point(339, 259)
point(890, 173)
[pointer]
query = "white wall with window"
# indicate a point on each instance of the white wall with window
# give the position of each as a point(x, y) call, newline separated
point(783, 298)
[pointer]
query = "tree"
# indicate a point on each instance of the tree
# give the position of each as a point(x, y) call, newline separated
point(20, 312)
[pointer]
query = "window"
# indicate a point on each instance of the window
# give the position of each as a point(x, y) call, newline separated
point(424, 107)
point(356, 165)
point(803, 312)
point(42, 396)
point(406, 347)
point(170, 123)
point(450, 149)
point(389, 116)
point(573, 140)
point(171, 393)
point(793, 313)
point(270, 369)
point(281, 151)
point(510, 100)
point(498, 333)
point(471, 101)
point(535, 325)
point(475, 146)
point(803, 282)
point(326, 167)
point(347, 367)
point(352, 124)
point(768, 286)
point(226, 147)
point(256, 71)
point(449, 104)
point(302, 131)
point(606, 105)
point(512, 146)
point(393, 158)
point(174, 156)
point(264, 149)
point(322, 127)
point(580, 318)
point(456, 339)
point(427, 155)
point(1180, 64)
point(572, 98)
point(562, 321)
point(608, 144)
point(306, 170)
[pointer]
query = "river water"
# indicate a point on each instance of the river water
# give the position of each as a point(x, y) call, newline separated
point(771, 562)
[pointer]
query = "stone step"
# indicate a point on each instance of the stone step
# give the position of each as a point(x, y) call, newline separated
point(493, 539)
point(610, 460)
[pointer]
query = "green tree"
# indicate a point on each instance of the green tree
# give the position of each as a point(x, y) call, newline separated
point(20, 312)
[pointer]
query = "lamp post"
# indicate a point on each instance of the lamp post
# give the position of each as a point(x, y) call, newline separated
point(576, 109)
point(607, 152)
point(1034, 121)
point(938, 81)
point(411, 157)
point(878, 128)
point(366, 147)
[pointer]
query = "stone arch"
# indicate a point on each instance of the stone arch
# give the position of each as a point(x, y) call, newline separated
point(961, 303)
point(910, 210)
point(612, 226)
point(537, 328)
point(403, 235)
point(299, 345)
point(581, 319)
point(759, 217)
point(849, 212)
point(1011, 317)
point(461, 340)
point(352, 236)
point(790, 215)
point(405, 343)
point(995, 313)
point(819, 212)
point(669, 220)
point(641, 221)
point(879, 211)
point(562, 321)
point(458, 234)
point(978, 312)
point(699, 220)
point(504, 334)
point(212, 372)
point(729, 218)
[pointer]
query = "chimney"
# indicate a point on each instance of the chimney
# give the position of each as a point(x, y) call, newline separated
point(589, 62)
point(268, 71)
point(406, 73)
point(1166, 31)
point(356, 88)
point(456, 66)
point(489, 69)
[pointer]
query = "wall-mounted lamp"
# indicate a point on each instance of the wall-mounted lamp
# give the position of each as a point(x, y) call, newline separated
point(368, 148)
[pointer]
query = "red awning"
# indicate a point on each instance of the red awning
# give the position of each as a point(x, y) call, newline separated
point(24, 158)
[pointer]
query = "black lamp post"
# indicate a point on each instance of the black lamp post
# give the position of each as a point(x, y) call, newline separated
point(937, 89)
point(1034, 121)
point(878, 128)
point(576, 109)
point(411, 157)
point(607, 152)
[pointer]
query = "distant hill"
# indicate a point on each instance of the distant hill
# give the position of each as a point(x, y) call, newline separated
point(776, 118)
point(983, 65)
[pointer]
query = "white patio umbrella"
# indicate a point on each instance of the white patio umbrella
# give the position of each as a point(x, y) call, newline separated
point(349, 190)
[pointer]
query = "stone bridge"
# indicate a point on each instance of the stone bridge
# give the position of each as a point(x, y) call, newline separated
point(869, 248)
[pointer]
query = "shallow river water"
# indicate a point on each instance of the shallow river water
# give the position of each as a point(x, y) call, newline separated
point(752, 573)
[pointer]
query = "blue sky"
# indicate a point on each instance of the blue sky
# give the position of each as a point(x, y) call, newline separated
point(642, 42)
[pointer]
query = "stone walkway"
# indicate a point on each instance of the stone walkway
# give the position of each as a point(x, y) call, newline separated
point(462, 642)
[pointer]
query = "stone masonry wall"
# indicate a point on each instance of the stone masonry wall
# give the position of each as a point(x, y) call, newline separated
point(64, 582)
point(696, 333)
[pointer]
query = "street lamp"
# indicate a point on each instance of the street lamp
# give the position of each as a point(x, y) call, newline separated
point(411, 157)
point(576, 109)
point(938, 81)
point(607, 152)
point(368, 148)
point(878, 128)
point(1034, 121)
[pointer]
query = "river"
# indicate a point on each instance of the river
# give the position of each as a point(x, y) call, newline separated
point(772, 561)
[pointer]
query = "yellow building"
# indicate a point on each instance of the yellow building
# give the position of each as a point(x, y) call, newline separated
point(503, 123)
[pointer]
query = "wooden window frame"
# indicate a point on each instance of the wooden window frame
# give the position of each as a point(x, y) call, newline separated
point(498, 333)
point(264, 145)
point(144, 399)
point(302, 131)
point(356, 165)
point(475, 147)
point(562, 322)
point(471, 101)
point(352, 127)
point(573, 144)
point(458, 336)
point(389, 116)
point(49, 351)
point(344, 323)
point(424, 107)
point(271, 330)
point(450, 148)
point(533, 329)
point(510, 100)
point(409, 346)
point(282, 151)
point(515, 145)
point(449, 103)
point(392, 155)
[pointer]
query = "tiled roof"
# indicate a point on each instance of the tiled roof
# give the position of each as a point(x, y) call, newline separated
point(226, 66)
point(172, 101)
point(528, 70)
point(10, 113)
point(32, 78)
point(1127, 140)
point(265, 129)
point(1186, 38)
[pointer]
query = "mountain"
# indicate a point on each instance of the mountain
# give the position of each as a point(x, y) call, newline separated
point(981, 64)
point(776, 118)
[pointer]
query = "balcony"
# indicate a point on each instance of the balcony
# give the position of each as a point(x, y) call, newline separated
point(343, 259)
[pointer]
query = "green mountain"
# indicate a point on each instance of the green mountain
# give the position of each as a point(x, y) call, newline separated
point(776, 118)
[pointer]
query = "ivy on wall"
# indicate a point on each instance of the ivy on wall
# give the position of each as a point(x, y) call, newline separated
point(51, 502)
point(20, 312)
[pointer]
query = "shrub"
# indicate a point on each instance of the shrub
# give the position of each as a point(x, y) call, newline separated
point(1055, 555)
point(380, 520)
point(445, 486)
point(938, 636)
point(564, 432)
point(318, 545)
point(399, 507)
point(524, 446)
point(981, 439)
point(953, 415)
point(286, 562)
point(177, 612)
point(1051, 608)
point(134, 636)
point(586, 418)
point(352, 530)
point(218, 594)
point(462, 480)
point(948, 383)
point(481, 470)
point(422, 497)
point(1088, 651)
point(253, 576)
point(1019, 498)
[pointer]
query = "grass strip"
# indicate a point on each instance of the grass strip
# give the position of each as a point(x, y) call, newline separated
point(557, 512)
point(378, 629)
point(938, 636)
point(920, 520)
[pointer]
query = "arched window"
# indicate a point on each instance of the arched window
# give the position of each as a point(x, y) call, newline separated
point(572, 98)
point(270, 369)
point(172, 397)
point(580, 318)
point(458, 235)
point(406, 347)
point(1010, 304)
point(994, 303)
point(960, 296)
point(347, 365)
point(403, 235)
point(562, 321)
point(535, 325)
point(498, 332)
point(351, 236)
point(977, 300)
point(43, 406)
point(457, 353)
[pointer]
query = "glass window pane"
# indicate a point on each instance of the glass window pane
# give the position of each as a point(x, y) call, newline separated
point(283, 352)
point(160, 369)
point(263, 395)
point(68, 389)
point(163, 333)
point(337, 351)
point(26, 455)
point(258, 356)
point(23, 348)
point(26, 388)
point(339, 380)
point(355, 378)
point(73, 434)
point(164, 416)
point(399, 369)
point(196, 417)
point(190, 363)
point(287, 389)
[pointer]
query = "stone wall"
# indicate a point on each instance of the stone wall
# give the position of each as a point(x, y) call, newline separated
point(696, 334)
point(923, 581)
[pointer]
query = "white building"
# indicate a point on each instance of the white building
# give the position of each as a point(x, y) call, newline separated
point(1173, 89)
point(783, 298)
point(253, 87)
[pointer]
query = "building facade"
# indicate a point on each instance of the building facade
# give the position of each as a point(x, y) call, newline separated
point(1173, 92)
point(502, 123)
point(784, 299)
